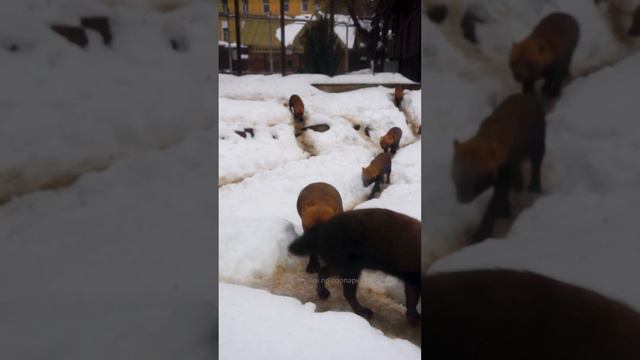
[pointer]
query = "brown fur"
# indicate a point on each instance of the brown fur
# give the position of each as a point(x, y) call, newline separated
point(506, 314)
point(317, 203)
point(545, 53)
point(297, 107)
point(374, 239)
point(398, 95)
point(634, 30)
point(74, 34)
point(391, 140)
point(514, 132)
point(375, 172)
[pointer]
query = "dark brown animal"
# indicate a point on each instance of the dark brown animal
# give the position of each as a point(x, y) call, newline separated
point(375, 172)
point(317, 203)
point(375, 239)
point(634, 30)
point(398, 95)
point(100, 24)
point(514, 132)
point(545, 53)
point(391, 140)
point(74, 34)
point(505, 315)
point(296, 106)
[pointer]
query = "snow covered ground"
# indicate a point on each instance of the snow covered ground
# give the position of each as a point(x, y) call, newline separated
point(256, 322)
point(89, 107)
point(119, 263)
point(582, 228)
point(258, 217)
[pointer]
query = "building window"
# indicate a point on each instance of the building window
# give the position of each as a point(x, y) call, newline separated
point(225, 6)
point(225, 34)
point(265, 6)
point(286, 5)
point(245, 7)
point(305, 5)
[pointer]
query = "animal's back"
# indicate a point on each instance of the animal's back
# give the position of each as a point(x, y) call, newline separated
point(515, 121)
point(319, 194)
point(388, 240)
point(505, 314)
point(382, 161)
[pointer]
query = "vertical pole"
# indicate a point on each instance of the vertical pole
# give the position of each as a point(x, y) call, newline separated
point(283, 62)
point(346, 50)
point(238, 47)
point(270, 44)
point(229, 42)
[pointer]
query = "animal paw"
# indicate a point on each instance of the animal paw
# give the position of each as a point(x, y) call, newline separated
point(313, 267)
point(365, 313)
point(323, 293)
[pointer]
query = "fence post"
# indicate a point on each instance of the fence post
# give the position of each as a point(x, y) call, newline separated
point(238, 43)
point(283, 62)
point(346, 50)
point(270, 44)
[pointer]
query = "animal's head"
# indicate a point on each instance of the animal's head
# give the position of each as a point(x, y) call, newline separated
point(315, 215)
point(475, 167)
point(529, 58)
point(368, 176)
point(385, 141)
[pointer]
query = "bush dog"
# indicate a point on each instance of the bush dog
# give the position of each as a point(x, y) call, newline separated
point(506, 314)
point(317, 202)
point(374, 239)
point(545, 53)
point(391, 140)
point(514, 132)
point(296, 106)
point(375, 172)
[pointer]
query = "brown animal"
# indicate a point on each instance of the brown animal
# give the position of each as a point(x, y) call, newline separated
point(514, 132)
point(317, 203)
point(634, 30)
point(545, 53)
point(391, 140)
point(505, 314)
point(296, 106)
point(375, 239)
point(398, 95)
point(375, 172)
point(74, 34)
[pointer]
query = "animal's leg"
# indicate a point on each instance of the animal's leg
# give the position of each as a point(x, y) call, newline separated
point(536, 163)
point(501, 192)
point(314, 264)
point(376, 186)
point(389, 176)
point(499, 204)
point(349, 281)
point(517, 182)
point(323, 275)
point(527, 87)
point(553, 82)
point(412, 295)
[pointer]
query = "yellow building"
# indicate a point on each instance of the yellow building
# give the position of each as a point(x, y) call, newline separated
point(266, 7)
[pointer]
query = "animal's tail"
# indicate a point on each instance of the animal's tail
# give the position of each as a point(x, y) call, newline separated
point(302, 245)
